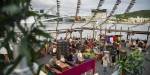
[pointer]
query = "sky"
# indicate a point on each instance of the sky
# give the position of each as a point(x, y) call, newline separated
point(68, 7)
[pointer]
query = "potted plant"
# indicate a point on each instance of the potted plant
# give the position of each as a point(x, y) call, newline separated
point(131, 64)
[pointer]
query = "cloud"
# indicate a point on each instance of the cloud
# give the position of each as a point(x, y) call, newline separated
point(42, 4)
point(68, 7)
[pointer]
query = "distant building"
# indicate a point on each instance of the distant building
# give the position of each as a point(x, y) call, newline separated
point(100, 14)
point(137, 19)
point(87, 18)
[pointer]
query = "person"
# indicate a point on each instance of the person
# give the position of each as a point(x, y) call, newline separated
point(62, 58)
point(4, 59)
point(106, 62)
point(113, 55)
point(54, 49)
point(80, 57)
point(4, 53)
point(96, 50)
point(72, 46)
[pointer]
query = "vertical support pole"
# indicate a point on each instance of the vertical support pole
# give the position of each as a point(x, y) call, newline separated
point(66, 34)
point(105, 31)
point(128, 34)
point(148, 33)
point(57, 33)
point(100, 30)
point(59, 47)
point(70, 33)
point(120, 32)
point(105, 39)
point(93, 30)
point(100, 34)
point(58, 14)
point(81, 36)
point(115, 29)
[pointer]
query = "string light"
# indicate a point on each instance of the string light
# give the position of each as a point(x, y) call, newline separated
point(101, 2)
point(112, 12)
point(132, 2)
point(58, 15)
point(77, 11)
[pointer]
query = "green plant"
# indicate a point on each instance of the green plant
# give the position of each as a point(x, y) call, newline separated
point(88, 55)
point(12, 12)
point(132, 64)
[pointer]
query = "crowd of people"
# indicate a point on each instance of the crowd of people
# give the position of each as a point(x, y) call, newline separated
point(142, 45)
point(105, 52)
point(73, 45)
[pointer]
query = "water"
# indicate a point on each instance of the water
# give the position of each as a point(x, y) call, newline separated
point(89, 33)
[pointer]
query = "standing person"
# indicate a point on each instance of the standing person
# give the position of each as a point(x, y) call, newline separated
point(4, 59)
point(106, 62)
point(113, 55)
point(80, 57)
point(116, 48)
point(54, 49)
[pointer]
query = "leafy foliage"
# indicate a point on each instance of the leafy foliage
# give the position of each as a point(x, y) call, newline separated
point(132, 64)
point(12, 12)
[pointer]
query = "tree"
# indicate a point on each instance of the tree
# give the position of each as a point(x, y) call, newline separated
point(12, 12)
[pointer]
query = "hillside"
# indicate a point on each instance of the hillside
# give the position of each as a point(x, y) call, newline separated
point(141, 13)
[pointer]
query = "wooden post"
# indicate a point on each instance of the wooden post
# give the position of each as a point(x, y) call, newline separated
point(100, 30)
point(128, 34)
point(105, 31)
point(105, 39)
point(58, 14)
point(59, 47)
point(148, 33)
point(70, 33)
point(66, 34)
point(81, 36)
point(120, 32)
point(100, 34)
point(115, 29)
point(56, 34)
point(93, 30)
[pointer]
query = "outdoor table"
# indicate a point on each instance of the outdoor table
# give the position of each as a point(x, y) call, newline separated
point(80, 68)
